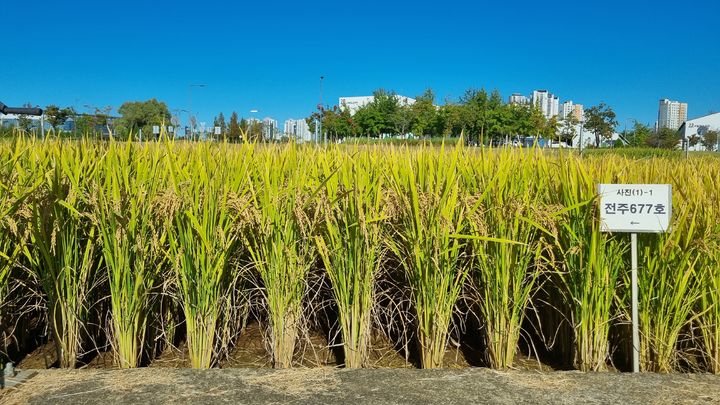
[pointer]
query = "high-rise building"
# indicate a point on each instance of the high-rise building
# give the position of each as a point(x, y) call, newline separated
point(548, 103)
point(297, 130)
point(671, 114)
point(579, 112)
point(517, 98)
point(270, 128)
point(571, 109)
point(252, 120)
point(567, 109)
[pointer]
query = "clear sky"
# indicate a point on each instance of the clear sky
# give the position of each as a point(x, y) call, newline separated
point(269, 55)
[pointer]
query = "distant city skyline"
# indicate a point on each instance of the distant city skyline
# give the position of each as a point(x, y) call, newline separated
point(93, 54)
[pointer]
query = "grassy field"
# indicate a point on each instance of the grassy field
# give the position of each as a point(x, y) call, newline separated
point(127, 247)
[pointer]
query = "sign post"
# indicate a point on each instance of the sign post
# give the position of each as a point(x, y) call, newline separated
point(635, 208)
point(156, 131)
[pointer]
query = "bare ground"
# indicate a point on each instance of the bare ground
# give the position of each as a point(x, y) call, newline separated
point(372, 386)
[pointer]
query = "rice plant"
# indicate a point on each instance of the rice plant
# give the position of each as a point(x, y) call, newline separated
point(706, 245)
point(709, 304)
point(63, 254)
point(589, 270)
point(351, 247)
point(137, 235)
point(202, 240)
point(10, 248)
point(425, 240)
point(506, 247)
point(669, 293)
point(133, 243)
point(281, 246)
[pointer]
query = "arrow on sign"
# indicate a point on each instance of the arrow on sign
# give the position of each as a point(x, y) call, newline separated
point(634, 223)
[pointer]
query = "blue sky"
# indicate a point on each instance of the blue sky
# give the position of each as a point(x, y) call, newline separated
point(269, 55)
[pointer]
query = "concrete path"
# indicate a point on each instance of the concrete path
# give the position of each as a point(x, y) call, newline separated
point(379, 386)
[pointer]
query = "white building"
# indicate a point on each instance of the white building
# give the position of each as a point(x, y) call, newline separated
point(353, 104)
point(517, 98)
point(588, 138)
point(554, 106)
point(698, 127)
point(13, 119)
point(297, 130)
point(548, 103)
point(671, 114)
point(270, 128)
point(567, 109)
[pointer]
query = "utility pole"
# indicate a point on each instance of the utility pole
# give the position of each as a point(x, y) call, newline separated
point(322, 110)
point(192, 126)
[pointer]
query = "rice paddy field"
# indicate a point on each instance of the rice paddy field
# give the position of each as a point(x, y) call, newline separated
point(132, 250)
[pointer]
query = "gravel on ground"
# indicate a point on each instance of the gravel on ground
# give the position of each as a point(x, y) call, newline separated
point(367, 386)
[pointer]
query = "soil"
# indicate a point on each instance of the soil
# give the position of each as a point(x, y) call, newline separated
point(250, 352)
point(245, 376)
point(322, 385)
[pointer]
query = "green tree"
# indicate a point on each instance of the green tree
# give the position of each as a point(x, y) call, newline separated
point(665, 138)
point(522, 119)
point(451, 119)
point(402, 120)
point(474, 114)
point(639, 135)
point(219, 121)
point(568, 129)
point(550, 129)
point(251, 130)
point(312, 120)
point(600, 120)
point(56, 116)
point(234, 132)
point(346, 123)
point(24, 122)
point(500, 122)
point(381, 116)
point(536, 122)
point(85, 124)
point(694, 140)
point(330, 124)
point(136, 115)
point(425, 115)
point(710, 140)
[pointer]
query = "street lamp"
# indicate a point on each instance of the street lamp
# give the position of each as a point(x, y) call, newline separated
point(192, 126)
point(582, 125)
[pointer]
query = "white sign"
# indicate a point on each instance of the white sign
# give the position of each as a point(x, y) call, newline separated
point(156, 129)
point(217, 130)
point(635, 208)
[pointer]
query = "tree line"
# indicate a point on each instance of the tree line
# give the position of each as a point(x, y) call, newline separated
point(481, 116)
